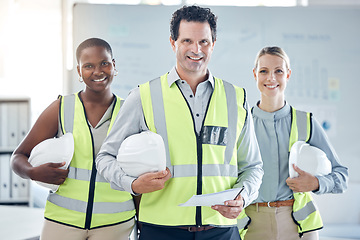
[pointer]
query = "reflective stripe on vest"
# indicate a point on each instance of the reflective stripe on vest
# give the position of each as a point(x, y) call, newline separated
point(84, 175)
point(85, 199)
point(204, 163)
point(243, 222)
point(98, 208)
point(305, 212)
point(207, 170)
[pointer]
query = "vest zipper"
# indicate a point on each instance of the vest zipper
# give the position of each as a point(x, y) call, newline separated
point(90, 204)
point(199, 177)
point(198, 217)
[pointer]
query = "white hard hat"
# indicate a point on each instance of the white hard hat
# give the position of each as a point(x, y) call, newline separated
point(141, 153)
point(55, 150)
point(309, 159)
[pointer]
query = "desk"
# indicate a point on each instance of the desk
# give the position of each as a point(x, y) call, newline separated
point(19, 222)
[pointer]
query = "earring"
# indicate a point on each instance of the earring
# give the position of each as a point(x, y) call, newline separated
point(81, 80)
point(116, 72)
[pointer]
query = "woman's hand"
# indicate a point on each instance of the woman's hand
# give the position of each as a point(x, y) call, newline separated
point(305, 182)
point(49, 173)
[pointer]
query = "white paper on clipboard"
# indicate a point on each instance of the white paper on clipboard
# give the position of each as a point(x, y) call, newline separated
point(212, 198)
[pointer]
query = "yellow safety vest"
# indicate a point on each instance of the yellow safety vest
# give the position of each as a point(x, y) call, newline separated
point(199, 164)
point(305, 213)
point(86, 200)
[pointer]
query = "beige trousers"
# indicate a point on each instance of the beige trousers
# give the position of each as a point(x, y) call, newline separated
point(274, 224)
point(56, 231)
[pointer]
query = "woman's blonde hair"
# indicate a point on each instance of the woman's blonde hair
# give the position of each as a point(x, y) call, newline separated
point(277, 51)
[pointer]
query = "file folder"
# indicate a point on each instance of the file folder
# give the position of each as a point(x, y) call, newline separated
point(5, 172)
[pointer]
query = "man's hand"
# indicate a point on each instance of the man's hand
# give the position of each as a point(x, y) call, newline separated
point(305, 182)
point(150, 182)
point(231, 208)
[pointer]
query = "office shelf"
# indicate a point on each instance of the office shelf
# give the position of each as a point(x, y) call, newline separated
point(14, 125)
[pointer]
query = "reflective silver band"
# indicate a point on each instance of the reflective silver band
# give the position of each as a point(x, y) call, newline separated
point(221, 170)
point(69, 105)
point(242, 223)
point(232, 109)
point(304, 212)
point(98, 207)
point(83, 174)
point(159, 116)
point(121, 102)
point(301, 123)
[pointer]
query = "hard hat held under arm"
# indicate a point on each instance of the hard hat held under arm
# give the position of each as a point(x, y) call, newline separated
point(55, 150)
point(142, 153)
point(309, 159)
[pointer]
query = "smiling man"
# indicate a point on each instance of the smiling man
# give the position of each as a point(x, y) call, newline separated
point(208, 134)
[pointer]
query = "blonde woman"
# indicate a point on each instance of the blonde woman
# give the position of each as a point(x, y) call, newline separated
point(284, 208)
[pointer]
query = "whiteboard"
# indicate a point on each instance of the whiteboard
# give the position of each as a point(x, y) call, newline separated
point(322, 43)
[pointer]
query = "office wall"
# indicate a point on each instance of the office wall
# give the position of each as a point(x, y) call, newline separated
point(30, 51)
point(322, 44)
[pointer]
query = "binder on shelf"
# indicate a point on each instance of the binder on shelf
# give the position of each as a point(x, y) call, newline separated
point(23, 120)
point(12, 124)
point(3, 125)
point(5, 173)
point(19, 188)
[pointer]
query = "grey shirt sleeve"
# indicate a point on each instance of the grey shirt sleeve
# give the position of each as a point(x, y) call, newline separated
point(130, 120)
point(250, 170)
point(337, 180)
